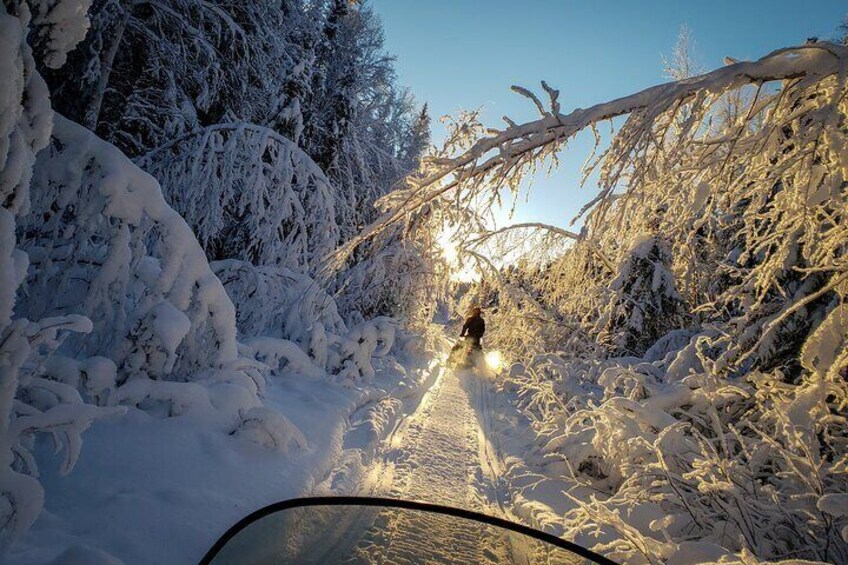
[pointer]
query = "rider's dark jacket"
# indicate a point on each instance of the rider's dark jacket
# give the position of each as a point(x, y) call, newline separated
point(474, 327)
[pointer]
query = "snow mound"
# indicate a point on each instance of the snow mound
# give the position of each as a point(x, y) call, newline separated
point(84, 555)
point(269, 428)
point(282, 355)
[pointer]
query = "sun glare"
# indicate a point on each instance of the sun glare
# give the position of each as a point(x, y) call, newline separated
point(494, 360)
point(446, 243)
point(459, 270)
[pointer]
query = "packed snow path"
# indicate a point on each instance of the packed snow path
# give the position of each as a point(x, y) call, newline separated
point(439, 454)
point(431, 457)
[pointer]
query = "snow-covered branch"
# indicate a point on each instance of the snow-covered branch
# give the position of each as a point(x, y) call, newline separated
point(263, 200)
point(482, 238)
point(492, 161)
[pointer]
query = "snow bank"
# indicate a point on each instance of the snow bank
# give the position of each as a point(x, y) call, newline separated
point(84, 555)
point(185, 479)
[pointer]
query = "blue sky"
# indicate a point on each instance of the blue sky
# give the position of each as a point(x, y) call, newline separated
point(462, 54)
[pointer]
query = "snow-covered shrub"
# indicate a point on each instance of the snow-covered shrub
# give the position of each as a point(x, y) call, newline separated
point(278, 302)
point(291, 324)
point(270, 429)
point(104, 243)
point(250, 194)
point(30, 404)
point(550, 387)
point(94, 377)
point(350, 355)
point(347, 357)
point(742, 464)
point(158, 336)
point(282, 355)
point(748, 464)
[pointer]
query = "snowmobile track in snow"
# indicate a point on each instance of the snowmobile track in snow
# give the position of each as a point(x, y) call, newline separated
point(430, 456)
point(439, 453)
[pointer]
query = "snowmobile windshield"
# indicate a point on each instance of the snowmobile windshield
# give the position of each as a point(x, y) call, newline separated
point(374, 530)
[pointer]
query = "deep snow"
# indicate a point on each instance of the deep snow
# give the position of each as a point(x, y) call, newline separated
point(149, 490)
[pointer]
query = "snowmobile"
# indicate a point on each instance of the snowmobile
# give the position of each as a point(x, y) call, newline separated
point(354, 529)
point(465, 353)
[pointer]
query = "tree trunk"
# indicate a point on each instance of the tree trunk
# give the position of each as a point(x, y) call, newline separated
point(107, 60)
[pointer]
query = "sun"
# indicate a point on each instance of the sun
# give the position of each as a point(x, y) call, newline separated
point(450, 253)
point(460, 270)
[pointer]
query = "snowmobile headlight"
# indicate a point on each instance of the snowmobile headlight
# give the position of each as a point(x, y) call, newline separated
point(494, 360)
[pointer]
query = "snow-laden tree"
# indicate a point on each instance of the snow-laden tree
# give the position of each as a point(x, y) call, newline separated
point(249, 193)
point(401, 278)
point(407, 267)
point(147, 69)
point(360, 128)
point(30, 402)
point(414, 146)
point(644, 304)
point(151, 71)
point(733, 427)
point(104, 243)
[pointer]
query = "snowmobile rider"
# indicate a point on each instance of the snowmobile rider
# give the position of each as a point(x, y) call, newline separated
point(474, 328)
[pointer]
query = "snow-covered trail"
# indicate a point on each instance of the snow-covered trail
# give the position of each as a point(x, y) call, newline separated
point(438, 453)
point(432, 456)
point(438, 446)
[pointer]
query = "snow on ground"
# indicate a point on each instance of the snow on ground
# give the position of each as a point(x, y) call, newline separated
point(432, 459)
point(149, 490)
point(529, 494)
point(440, 451)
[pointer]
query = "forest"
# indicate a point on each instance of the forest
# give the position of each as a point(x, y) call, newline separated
point(231, 252)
